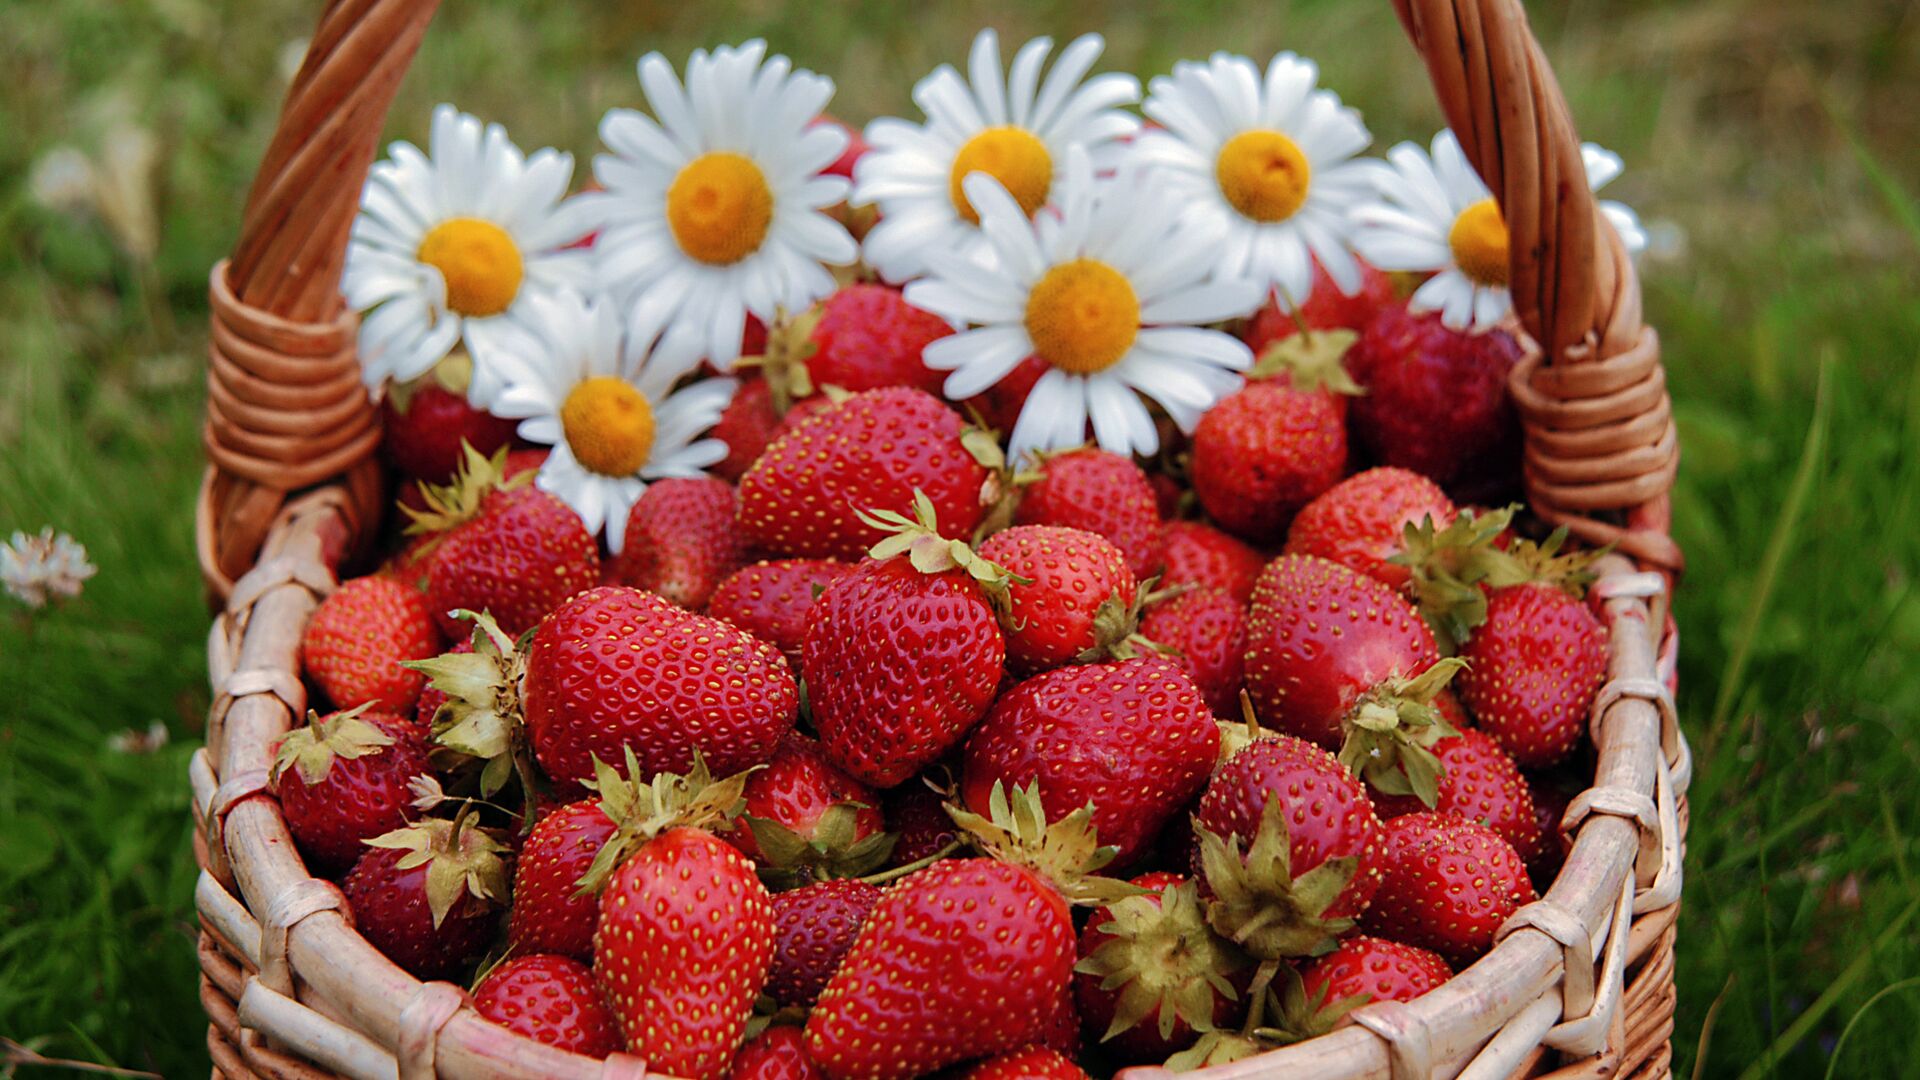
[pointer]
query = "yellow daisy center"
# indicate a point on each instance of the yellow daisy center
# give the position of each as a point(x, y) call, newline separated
point(1014, 156)
point(1479, 242)
point(719, 208)
point(609, 426)
point(1264, 175)
point(1083, 316)
point(479, 262)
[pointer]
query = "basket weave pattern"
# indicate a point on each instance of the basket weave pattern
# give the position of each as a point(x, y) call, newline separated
point(1581, 983)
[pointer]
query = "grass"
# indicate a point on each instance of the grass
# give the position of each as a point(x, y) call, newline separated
point(1773, 136)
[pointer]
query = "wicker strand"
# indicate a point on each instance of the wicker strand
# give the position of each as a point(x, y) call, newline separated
point(1409, 1043)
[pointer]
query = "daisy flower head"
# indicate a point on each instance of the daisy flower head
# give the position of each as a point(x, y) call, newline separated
point(1012, 126)
point(609, 408)
point(451, 245)
point(1265, 158)
point(713, 206)
point(1112, 293)
point(1433, 214)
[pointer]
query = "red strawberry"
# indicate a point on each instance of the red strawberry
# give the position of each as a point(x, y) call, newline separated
point(681, 540)
point(1061, 1032)
point(1076, 600)
point(1100, 492)
point(616, 667)
point(424, 423)
point(1000, 404)
point(1134, 738)
point(813, 927)
point(1381, 970)
point(1207, 629)
point(1325, 307)
point(1360, 522)
point(1030, 1063)
point(1199, 554)
point(1552, 793)
point(1478, 782)
point(1436, 399)
point(862, 337)
point(550, 915)
point(1533, 670)
point(746, 425)
point(770, 600)
point(1167, 495)
point(551, 999)
point(778, 1053)
point(358, 637)
point(918, 818)
point(872, 451)
point(1290, 849)
point(802, 813)
point(425, 895)
point(1265, 451)
point(856, 147)
point(342, 780)
point(1449, 885)
point(1151, 974)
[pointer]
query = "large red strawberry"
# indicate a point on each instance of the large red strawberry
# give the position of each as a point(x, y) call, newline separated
point(1265, 451)
point(770, 600)
point(1533, 670)
point(1325, 307)
point(804, 814)
point(1207, 630)
point(617, 667)
point(681, 540)
point(1374, 969)
point(424, 423)
point(1436, 399)
point(1478, 782)
point(1449, 885)
point(746, 425)
point(1100, 492)
point(1028, 1063)
point(342, 779)
point(1075, 598)
point(1152, 975)
point(1061, 1032)
point(1199, 554)
point(813, 927)
point(357, 639)
point(863, 337)
point(1360, 522)
point(903, 654)
point(550, 999)
point(426, 895)
point(1290, 849)
point(1133, 738)
point(917, 816)
point(550, 913)
point(778, 1053)
point(805, 495)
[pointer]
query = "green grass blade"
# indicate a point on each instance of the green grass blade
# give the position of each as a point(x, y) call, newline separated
point(1804, 1023)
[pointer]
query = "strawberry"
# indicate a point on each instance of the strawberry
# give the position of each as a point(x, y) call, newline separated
point(1533, 670)
point(1000, 404)
point(1100, 492)
point(856, 147)
point(1552, 793)
point(550, 999)
point(746, 425)
point(862, 337)
point(425, 423)
point(1478, 782)
point(813, 927)
point(1359, 522)
point(918, 818)
point(1374, 969)
point(1207, 630)
point(550, 914)
point(803, 814)
point(1076, 602)
point(357, 639)
point(617, 667)
point(903, 654)
point(1029, 1063)
point(1325, 307)
point(342, 779)
point(426, 895)
point(1313, 849)
point(1449, 885)
point(1265, 451)
point(770, 600)
point(778, 1053)
point(874, 450)
point(681, 540)
point(1133, 738)
point(1199, 554)
point(1168, 494)
point(1151, 974)
point(1436, 399)
point(1061, 1030)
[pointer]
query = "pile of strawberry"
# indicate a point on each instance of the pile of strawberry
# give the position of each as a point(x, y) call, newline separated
point(878, 758)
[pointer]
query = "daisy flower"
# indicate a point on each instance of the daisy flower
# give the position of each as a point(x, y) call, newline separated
point(1265, 160)
point(1112, 293)
point(589, 389)
point(1434, 214)
point(713, 206)
point(38, 569)
point(450, 245)
point(1013, 127)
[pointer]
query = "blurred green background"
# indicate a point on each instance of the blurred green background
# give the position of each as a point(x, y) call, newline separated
point(1773, 145)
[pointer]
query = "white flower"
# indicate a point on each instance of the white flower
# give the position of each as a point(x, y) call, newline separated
point(451, 245)
point(1268, 160)
point(50, 566)
point(1011, 127)
point(1436, 215)
point(713, 206)
point(1111, 292)
point(607, 406)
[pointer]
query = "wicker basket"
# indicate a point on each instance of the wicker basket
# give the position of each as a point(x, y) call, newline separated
point(1581, 982)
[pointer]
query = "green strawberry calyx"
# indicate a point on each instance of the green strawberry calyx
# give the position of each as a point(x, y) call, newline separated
point(642, 811)
point(310, 750)
point(462, 859)
point(482, 717)
point(1390, 733)
point(1258, 903)
point(834, 850)
point(1447, 566)
point(790, 345)
point(918, 538)
point(1116, 624)
point(1066, 853)
point(1298, 1016)
point(452, 505)
point(1237, 735)
point(1164, 961)
point(1310, 360)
